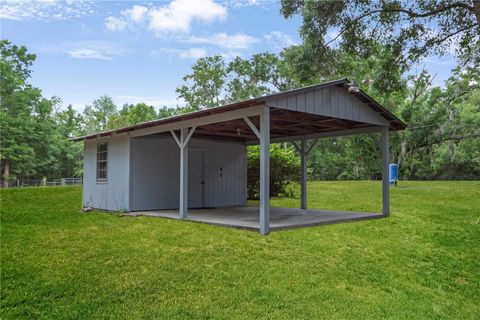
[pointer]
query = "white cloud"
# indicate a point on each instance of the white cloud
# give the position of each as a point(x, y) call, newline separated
point(136, 13)
point(129, 17)
point(88, 54)
point(236, 4)
point(221, 39)
point(175, 17)
point(44, 9)
point(115, 24)
point(191, 53)
point(279, 40)
point(179, 15)
point(194, 53)
point(100, 50)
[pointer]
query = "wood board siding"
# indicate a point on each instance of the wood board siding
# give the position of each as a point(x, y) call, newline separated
point(155, 173)
point(114, 193)
point(331, 102)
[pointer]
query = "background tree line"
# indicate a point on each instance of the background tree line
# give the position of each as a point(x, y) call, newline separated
point(378, 44)
point(35, 129)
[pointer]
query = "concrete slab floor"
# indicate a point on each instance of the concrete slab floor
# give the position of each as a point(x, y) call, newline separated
point(248, 217)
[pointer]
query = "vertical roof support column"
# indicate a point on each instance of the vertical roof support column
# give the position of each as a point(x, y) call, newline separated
point(265, 171)
point(185, 136)
point(385, 160)
point(303, 175)
point(183, 208)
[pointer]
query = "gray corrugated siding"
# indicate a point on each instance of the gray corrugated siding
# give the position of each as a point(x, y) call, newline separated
point(331, 102)
point(113, 194)
point(155, 173)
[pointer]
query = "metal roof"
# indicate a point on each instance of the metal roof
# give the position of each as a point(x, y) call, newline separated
point(395, 122)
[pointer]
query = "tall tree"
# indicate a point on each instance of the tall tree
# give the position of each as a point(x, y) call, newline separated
point(17, 101)
point(69, 124)
point(132, 114)
point(98, 114)
point(46, 141)
point(214, 82)
point(265, 73)
point(141, 112)
point(254, 77)
point(165, 111)
point(203, 88)
point(443, 128)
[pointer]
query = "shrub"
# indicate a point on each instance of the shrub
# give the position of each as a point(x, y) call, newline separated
point(284, 169)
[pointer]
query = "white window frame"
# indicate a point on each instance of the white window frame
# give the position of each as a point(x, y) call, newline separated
point(97, 162)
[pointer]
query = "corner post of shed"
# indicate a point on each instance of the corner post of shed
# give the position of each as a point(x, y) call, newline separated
point(183, 207)
point(385, 161)
point(265, 171)
point(303, 176)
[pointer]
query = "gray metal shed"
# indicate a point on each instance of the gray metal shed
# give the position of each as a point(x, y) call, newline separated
point(198, 160)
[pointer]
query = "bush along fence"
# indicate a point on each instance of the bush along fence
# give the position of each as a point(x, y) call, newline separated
point(18, 183)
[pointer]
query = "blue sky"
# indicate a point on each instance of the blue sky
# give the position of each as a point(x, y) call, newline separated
point(139, 51)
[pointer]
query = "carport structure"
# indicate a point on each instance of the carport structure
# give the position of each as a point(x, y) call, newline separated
point(331, 109)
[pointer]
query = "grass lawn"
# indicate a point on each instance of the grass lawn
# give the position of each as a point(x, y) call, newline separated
point(421, 263)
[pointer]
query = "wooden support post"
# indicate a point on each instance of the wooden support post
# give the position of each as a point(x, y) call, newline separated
point(183, 208)
point(303, 175)
point(265, 171)
point(385, 160)
point(182, 143)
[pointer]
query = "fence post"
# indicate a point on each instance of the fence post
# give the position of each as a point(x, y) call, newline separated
point(44, 181)
point(18, 183)
point(63, 181)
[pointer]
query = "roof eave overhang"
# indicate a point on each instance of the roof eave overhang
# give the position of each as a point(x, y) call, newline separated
point(176, 118)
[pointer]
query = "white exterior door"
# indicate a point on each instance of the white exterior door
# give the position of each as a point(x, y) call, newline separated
point(196, 177)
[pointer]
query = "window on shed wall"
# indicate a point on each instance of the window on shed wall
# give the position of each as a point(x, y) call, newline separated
point(102, 150)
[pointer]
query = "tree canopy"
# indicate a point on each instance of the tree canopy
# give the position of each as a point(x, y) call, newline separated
point(407, 30)
point(24, 114)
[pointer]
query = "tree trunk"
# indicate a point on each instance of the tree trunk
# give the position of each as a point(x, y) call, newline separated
point(403, 152)
point(476, 9)
point(6, 173)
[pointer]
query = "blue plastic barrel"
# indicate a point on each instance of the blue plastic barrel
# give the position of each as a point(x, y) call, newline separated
point(393, 173)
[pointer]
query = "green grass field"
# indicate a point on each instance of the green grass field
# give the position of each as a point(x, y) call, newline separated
point(421, 263)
